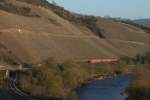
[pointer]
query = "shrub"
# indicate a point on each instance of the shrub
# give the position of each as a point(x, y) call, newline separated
point(23, 11)
point(73, 74)
point(52, 80)
point(139, 89)
point(42, 82)
point(7, 60)
point(43, 3)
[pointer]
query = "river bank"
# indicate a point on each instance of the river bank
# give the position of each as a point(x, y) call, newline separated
point(96, 78)
point(139, 89)
point(109, 73)
point(105, 89)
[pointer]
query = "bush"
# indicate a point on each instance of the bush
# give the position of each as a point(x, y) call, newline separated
point(44, 81)
point(91, 23)
point(58, 81)
point(138, 59)
point(7, 60)
point(23, 11)
point(139, 89)
point(73, 74)
point(52, 80)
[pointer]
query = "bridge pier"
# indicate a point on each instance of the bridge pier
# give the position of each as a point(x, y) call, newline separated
point(7, 75)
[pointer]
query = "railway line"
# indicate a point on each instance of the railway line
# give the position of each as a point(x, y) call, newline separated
point(14, 90)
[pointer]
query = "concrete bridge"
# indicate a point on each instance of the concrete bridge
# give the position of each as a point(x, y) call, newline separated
point(8, 69)
point(12, 78)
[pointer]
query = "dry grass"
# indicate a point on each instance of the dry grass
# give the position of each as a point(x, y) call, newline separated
point(52, 36)
point(120, 31)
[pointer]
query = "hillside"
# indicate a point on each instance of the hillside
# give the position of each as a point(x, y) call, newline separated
point(143, 21)
point(36, 32)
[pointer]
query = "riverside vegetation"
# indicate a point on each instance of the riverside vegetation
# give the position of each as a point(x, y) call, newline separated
point(139, 89)
point(59, 81)
point(53, 81)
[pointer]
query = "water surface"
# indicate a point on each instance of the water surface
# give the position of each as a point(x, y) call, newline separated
point(108, 89)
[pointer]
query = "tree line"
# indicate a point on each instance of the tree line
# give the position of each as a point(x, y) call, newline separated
point(138, 59)
point(53, 81)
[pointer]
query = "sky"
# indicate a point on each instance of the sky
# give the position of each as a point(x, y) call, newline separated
point(131, 9)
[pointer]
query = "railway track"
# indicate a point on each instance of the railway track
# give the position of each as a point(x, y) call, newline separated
point(17, 92)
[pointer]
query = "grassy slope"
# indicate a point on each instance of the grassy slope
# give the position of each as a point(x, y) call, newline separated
point(32, 46)
point(121, 31)
point(127, 38)
point(51, 36)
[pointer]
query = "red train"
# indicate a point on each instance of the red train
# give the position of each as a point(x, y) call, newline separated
point(107, 60)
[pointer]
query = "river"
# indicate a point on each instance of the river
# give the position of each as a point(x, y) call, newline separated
point(107, 89)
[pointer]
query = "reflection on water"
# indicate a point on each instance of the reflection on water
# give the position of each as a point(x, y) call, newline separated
point(109, 89)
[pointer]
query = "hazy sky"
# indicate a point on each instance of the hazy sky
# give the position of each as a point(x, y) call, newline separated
point(133, 9)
